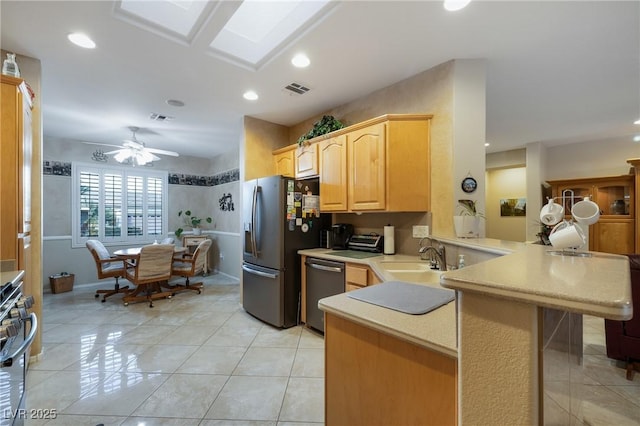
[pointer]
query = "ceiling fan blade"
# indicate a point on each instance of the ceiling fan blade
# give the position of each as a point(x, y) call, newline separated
point(116, 151)
point(103, 144)
point(155, 157)
point(163, 152)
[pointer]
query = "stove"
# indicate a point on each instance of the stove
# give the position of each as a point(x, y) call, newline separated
point(18, 328)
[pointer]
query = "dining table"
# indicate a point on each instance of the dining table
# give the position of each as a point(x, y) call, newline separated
point(134, 252)
point(129, 256)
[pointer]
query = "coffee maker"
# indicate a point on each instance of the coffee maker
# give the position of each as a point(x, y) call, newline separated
point(342, 232)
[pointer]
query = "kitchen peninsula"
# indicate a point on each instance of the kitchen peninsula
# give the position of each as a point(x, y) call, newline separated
point(481, 355)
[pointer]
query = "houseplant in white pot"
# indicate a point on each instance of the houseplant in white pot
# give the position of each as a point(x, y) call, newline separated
point(192, 221)
point(467, 223)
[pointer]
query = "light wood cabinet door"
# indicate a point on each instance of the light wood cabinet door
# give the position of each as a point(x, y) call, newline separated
point(366, 151)
point(333, 174)
point(285, 163)
point(612, 237)
point(373, 378)
point(358, 276)
point(15, 173)
point(306, 161)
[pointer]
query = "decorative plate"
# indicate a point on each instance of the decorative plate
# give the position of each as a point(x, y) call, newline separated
point(469, 185)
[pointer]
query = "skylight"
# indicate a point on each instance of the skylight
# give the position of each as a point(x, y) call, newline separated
point(179, 16)
point(260, 26)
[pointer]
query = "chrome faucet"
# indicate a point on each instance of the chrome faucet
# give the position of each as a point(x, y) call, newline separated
point(437, 256)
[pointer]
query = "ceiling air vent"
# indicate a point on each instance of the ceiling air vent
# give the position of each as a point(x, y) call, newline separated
point(297, 88)
point(160, 117)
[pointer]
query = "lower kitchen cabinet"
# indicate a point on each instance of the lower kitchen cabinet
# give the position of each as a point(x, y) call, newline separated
point(372, 378)
point(358, 276)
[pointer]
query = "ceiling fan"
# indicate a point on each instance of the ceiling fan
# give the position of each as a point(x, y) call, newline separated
point(135, 151)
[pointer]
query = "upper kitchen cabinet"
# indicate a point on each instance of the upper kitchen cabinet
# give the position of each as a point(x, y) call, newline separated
point(15, 172)
point(296, 161)
point(615, 230)
point(381, 164)
point(366, 154)
point(306, 164)
point(284, 160)
point(332, 159)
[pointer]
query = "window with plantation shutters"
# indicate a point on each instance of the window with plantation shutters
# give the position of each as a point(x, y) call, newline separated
point(118, 205)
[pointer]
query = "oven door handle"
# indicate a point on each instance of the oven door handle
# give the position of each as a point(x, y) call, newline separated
point(7, 362)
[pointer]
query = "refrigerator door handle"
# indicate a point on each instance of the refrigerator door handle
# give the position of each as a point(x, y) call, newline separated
point(259, 273)
point(254, 216)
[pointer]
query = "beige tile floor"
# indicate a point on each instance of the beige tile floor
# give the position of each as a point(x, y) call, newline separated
point(201, 360)
point(602, 396)
point(192, 360)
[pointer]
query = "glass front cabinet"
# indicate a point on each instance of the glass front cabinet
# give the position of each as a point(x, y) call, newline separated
point(615, 230)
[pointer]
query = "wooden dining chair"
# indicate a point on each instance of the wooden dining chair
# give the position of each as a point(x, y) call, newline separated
point(148, 272)
point(189, 265)
point(108, 267)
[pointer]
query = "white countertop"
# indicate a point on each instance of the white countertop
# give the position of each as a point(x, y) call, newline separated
point(435, 330)
point(599, 285)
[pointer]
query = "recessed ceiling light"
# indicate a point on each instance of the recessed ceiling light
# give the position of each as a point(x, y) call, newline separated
point(175, 103)
point(453, 5)
point(300, 61)
point(487, 144)
point(637, 121)
point(250, 95)
point(636, 138)
point(81, 40)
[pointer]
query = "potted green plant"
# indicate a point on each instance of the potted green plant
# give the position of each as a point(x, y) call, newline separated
point(467, 222)
point(326, 125)
point(192, 221)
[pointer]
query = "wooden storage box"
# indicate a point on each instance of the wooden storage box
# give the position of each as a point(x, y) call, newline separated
point(61, 283)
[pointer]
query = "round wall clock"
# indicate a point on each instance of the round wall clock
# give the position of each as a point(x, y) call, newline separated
point(469, 185)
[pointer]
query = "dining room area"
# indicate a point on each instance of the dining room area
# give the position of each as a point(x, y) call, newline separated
point(149, 268)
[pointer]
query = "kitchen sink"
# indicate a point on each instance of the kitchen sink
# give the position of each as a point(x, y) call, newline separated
point(429, 276)
point(405, 266)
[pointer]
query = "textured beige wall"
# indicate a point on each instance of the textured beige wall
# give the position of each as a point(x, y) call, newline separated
point(499, 385)
point(260, 139)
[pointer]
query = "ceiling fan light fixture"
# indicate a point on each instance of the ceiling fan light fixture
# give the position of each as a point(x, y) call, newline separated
point(82, 40)
point(122, 156)
point(455, 5)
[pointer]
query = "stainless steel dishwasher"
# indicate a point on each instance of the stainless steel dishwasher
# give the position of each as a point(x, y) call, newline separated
point(324, 278)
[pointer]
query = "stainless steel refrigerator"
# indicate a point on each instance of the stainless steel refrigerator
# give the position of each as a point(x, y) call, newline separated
point(280, 216)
